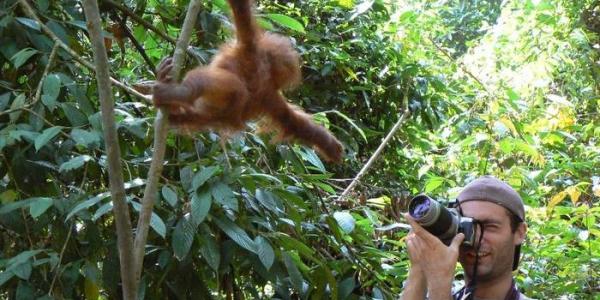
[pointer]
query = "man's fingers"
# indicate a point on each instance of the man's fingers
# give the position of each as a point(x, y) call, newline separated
point(427, 237)
point(457, 240)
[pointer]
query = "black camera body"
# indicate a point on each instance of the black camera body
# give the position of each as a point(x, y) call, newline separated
point(444, 223)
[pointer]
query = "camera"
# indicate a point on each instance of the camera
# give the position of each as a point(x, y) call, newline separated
point(440, 221)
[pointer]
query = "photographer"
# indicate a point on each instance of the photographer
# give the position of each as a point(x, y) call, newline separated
point(497, 209)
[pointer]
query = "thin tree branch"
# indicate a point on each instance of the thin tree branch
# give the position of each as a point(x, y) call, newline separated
point(115, 175)
point(375, 155)
point(138, 19)
point(160, 136)
point(31, 13)
point(123, 23)
point(60, 257)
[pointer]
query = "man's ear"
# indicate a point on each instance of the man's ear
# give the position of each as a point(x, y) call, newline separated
point(520, 234)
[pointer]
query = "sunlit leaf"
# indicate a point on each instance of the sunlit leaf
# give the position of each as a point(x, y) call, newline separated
point(286, 21)
point(345, 220)
point(33, 24)
point(556, 199)
point(74, 163)
point(39, 205)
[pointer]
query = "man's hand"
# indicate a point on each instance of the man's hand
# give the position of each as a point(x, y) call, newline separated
point(434, 261)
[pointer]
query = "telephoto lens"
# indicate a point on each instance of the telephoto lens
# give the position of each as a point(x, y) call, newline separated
point(442, 222)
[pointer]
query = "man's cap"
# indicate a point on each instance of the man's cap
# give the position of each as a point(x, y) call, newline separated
point(491, 189)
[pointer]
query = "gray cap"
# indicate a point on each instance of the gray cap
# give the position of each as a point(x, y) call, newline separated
point(491, 189)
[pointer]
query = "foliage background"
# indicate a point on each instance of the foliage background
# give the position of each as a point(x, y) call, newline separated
point(505, 88)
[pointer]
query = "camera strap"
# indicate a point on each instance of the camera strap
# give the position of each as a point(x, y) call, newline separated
point(468, 292)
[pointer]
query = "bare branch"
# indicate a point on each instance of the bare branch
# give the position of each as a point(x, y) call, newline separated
point(375, 155)
point(115, 175)
point(160, 136)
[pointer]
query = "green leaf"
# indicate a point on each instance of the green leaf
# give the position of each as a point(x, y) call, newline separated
point(345, 220)
point(25, 291)
point(286, 21)
point(268, 200)
point(236, 233)
point(310, 156)
point(265, 251)
point(51, 90)
point(4, 100)
point(5, 276)
point(156, 223)
point(351, 122)
point(91, 290)
point(33, 24)
point(15, 205)
point(169, 195)
point(183, 237)
point(433, 183)
point(75, 116)
point(74, 163)
point(291, 243)
point(200, 207)
point(104, 209)
point(86, 138)
point(295, 275)
point(210, 251)
point(224, 196)
point(22, 56)
point(8, 196)
point(18, 103)
point(346, 287)
point(201, 177)
point(22, 270)
point(47, 135)
point(87, 203)
point(39, 205)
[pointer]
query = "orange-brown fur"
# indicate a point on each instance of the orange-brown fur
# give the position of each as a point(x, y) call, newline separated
point(243, 82)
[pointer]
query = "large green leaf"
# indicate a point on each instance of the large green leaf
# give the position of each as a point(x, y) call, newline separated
point(51, 90)
point(210, 250)
point(345, 220)
point(200, 207)
point(169, 195)
point(86, 138)
point(39, 205)
point(294, 273)
point(183, 237)
point(47, 135)
point(22, 56)
point(236, 233)
point(201, 177)
point(286, 21)
point(223, 195)
point(264, 251)
point(74, 163)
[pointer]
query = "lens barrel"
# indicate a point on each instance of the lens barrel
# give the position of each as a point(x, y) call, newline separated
point(434, 217)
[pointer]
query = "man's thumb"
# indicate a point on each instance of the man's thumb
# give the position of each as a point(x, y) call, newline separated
point(457, 240)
